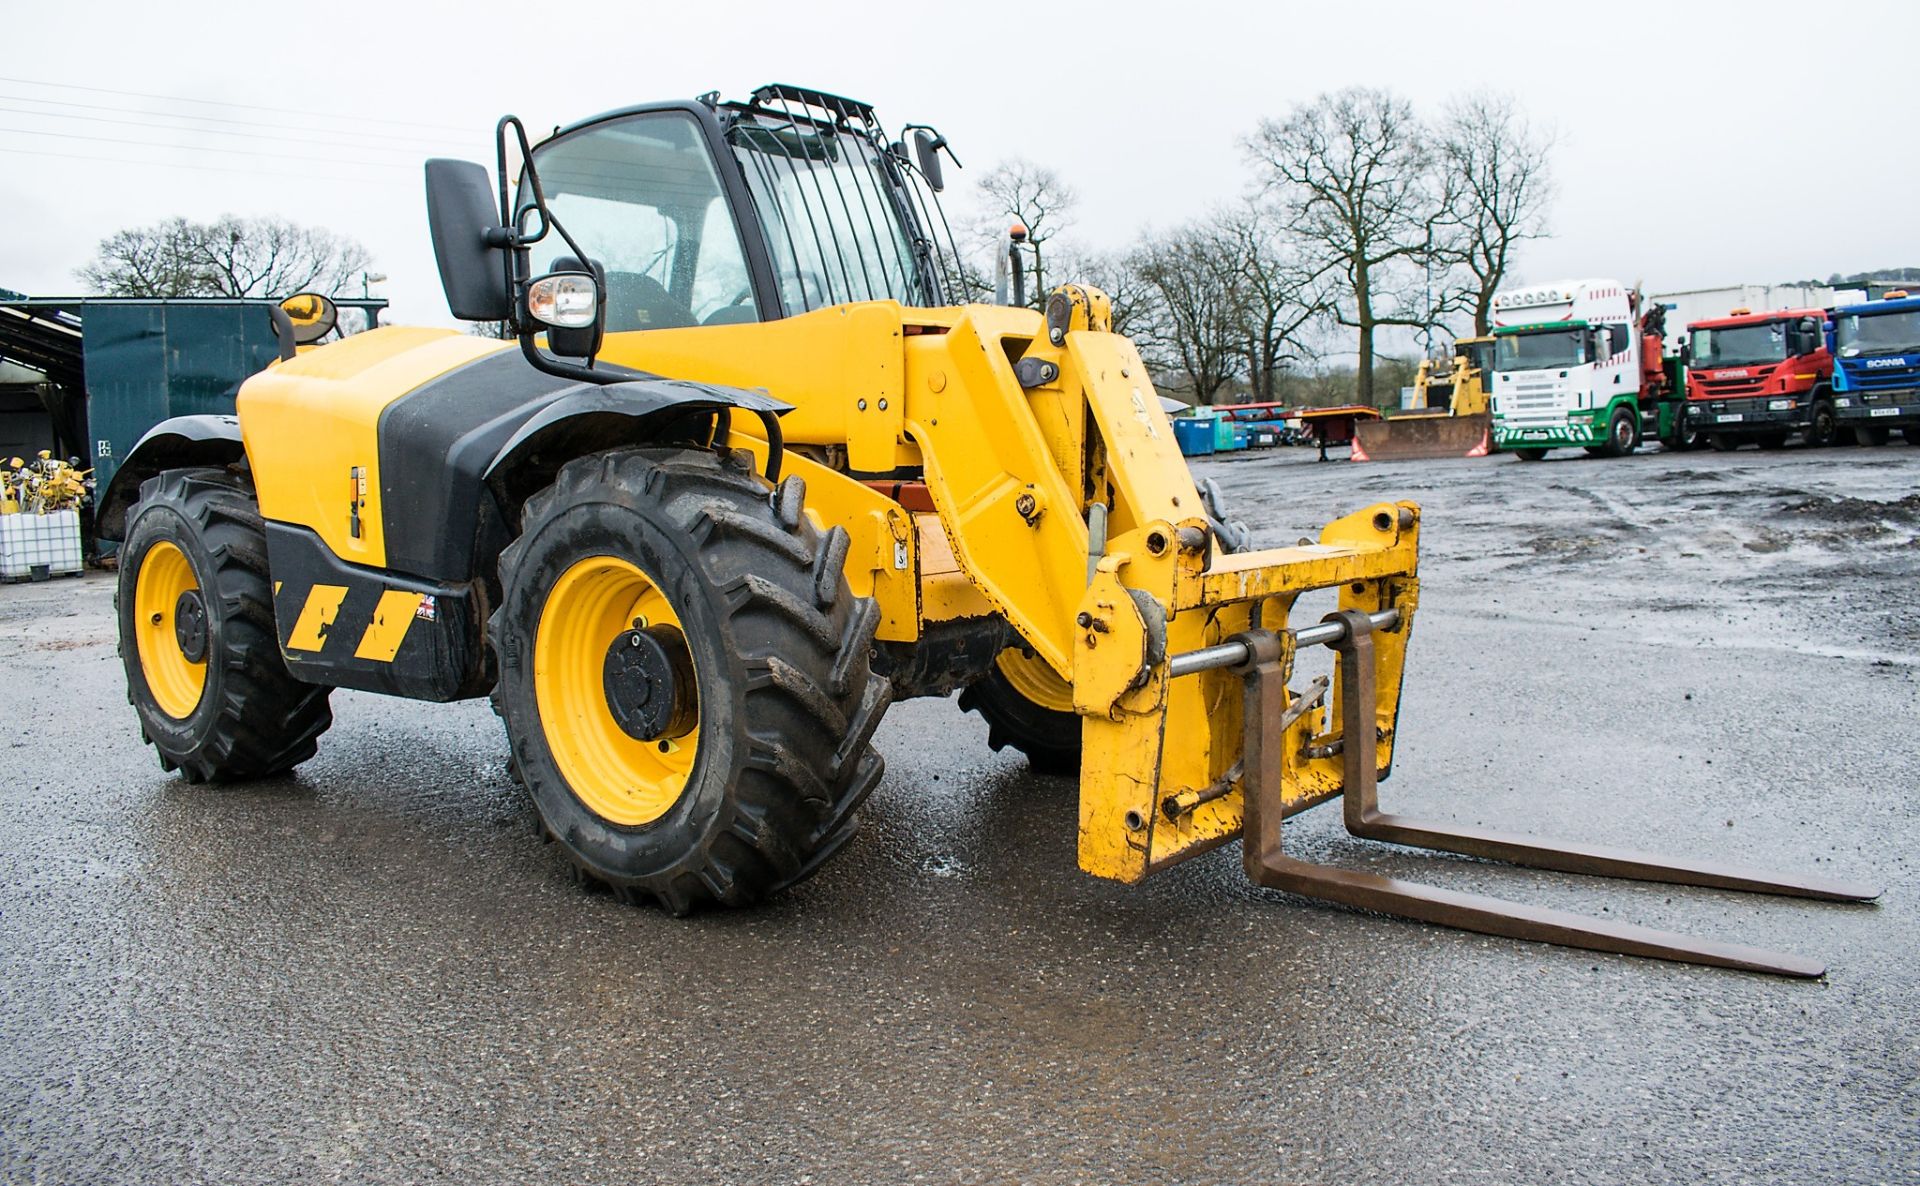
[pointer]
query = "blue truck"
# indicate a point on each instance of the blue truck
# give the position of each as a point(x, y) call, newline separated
point(1876, 368)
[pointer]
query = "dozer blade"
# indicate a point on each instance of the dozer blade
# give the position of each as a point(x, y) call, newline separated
point(1418, 438)
point(1351, 635)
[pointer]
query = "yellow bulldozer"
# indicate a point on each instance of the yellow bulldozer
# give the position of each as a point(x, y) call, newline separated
point(1451, 414)
point(750, 469)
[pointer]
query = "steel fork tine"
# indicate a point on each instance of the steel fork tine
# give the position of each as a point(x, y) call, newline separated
point(1268, 865)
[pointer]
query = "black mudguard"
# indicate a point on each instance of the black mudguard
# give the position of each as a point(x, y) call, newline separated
point(183, 441)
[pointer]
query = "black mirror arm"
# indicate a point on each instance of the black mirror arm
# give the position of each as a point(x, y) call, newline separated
point(283, 333)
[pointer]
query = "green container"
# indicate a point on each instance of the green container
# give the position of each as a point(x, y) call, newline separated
point(147, 361)
point(1223, 438)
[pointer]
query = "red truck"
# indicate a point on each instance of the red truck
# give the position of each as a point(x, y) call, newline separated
point(1760, 378)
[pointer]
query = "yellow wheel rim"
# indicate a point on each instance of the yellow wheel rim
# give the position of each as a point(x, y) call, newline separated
point(1032, 678)
point(620, 778)
point(175, 681)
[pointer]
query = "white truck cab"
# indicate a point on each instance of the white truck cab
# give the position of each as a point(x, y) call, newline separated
point(1567, 368)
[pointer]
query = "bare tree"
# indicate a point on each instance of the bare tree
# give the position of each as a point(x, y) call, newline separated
point(1118, 275)
point(236, 257)
point(158, 261)
point(1358, 185)
point(1279, 299)
point(1192, 327)
point(1017, 190)
point(1503, 189)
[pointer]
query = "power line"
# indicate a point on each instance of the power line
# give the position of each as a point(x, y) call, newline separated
point(188, 148)
point(278, 137)
point(222, 103)
point(115, 160)
point(214, 119)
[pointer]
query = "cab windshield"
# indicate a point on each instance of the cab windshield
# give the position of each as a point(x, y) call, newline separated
point(1738, 345)
point(840, 220)
point(640, 196)
point(1479, 355)
point(1540, 350)
point(1884, 333)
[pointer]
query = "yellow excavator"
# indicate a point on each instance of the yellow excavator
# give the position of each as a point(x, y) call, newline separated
point(751, 469)
point(1451, 414)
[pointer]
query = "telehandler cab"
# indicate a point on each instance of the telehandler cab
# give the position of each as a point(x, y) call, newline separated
point(754, 467)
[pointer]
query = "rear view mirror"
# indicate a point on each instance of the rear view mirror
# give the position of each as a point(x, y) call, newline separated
point(311, 315)
point(926, 151)
point(467, 240)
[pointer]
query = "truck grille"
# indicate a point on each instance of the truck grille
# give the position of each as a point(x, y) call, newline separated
point(1750, 385)
point(1881, 379)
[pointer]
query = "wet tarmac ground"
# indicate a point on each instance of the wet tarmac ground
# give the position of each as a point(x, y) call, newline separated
point(374, 972)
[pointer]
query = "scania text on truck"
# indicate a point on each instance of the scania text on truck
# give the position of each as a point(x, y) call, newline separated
point(1760, 378)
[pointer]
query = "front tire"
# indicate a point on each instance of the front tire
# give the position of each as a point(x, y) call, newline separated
point(1623, 434)
point(197, 636)
point(1822, 429)
point(1530, 454)
point(684, 676)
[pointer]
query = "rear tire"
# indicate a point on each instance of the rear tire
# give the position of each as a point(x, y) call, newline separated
point(1871, 435)
point(772, 654)
point(1530, 454)
point(1912, 433)
point(197, 636)
point(1039, 721)
point(1722, 443)
point(1773, 440)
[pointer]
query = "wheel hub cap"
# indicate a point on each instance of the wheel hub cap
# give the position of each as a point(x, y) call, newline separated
point(190, 625)
point(648, 678)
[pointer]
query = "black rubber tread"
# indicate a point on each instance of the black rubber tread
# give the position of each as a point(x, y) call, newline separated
point(1050, 738)
point(1870, 435)
point(254, 718)
point(1823, 429)
point(1722, 443)
point(1612, 446)
point(1912, 433)
point(1771, 440)
point(789, 701)
point(1530, 454)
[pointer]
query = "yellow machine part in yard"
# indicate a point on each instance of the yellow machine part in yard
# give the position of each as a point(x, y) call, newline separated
point(1460, 430)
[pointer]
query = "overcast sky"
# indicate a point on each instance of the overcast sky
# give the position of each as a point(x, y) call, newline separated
point(1700, 144)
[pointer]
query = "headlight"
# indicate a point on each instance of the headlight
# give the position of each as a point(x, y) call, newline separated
point(564, 300)
point(1779, 405)
point(1842, 402)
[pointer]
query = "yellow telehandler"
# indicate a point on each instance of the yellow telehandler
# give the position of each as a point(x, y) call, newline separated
point(750, 470)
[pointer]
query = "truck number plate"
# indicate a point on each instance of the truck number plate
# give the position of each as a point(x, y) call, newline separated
point(1884, 412)
point(1729, 418)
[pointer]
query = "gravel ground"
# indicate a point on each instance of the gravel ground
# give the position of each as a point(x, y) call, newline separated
point(374, 972)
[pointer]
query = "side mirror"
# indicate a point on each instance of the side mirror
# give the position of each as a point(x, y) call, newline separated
point(568, 302)
point(311, 315)
point(468, 240)
point(926, 151)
